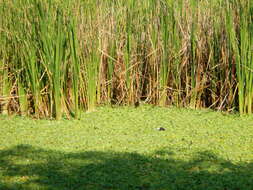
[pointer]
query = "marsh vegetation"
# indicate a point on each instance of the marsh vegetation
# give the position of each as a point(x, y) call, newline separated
point(62, 57)
point(121, 148)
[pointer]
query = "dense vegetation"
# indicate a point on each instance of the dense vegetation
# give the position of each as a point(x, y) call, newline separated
point(63, 56)
point(121, 149)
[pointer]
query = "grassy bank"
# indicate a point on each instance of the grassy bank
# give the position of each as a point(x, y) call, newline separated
point(121, 149)
point(59, 57)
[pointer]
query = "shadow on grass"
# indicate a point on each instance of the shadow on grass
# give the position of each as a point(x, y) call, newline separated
point(27, 168)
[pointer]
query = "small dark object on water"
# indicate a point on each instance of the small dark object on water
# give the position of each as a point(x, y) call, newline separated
point(136, 104)
point(161, 129)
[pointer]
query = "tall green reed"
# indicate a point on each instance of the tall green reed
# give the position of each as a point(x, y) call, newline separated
point(63, 57)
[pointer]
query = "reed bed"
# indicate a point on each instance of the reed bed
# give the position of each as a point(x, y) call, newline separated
point(61, 57)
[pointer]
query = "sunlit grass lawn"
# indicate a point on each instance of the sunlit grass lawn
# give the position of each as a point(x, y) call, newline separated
point(121, 148)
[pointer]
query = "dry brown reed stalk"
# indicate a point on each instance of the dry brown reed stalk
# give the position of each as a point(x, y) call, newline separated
point(184, 53)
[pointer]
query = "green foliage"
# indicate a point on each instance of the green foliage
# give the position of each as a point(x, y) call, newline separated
point(121, 148)
point(69, 56)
